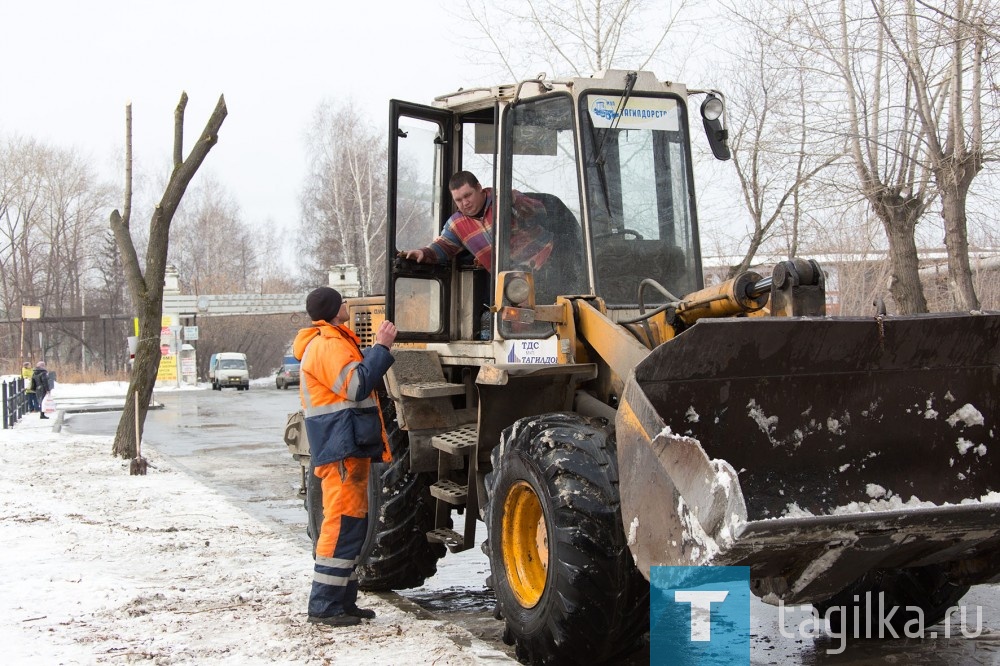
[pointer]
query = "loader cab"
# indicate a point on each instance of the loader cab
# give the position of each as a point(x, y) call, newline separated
point(595, 171)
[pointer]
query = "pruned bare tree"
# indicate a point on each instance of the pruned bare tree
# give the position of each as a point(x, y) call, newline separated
point(146, 287)
point(944, 47)
point(868, 105)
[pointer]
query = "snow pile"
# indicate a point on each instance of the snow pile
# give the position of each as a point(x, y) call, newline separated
point(161, 568)
point(889, 503)
point(966, 414)
point(700, 479)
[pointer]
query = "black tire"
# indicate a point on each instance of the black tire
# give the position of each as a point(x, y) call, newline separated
point(927, 588)
point(396, 554)
point(589, 604)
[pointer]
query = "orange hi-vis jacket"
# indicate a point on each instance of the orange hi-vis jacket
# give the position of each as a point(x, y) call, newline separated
point(337, 389)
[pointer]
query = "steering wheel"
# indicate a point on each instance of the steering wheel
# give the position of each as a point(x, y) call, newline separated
point(621, 232)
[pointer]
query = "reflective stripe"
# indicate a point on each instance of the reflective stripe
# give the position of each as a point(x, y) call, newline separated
point(336, 562)
point(338, 407)
point(338, 385)
point(355, 384)
point(337, 581)
point(303, 386)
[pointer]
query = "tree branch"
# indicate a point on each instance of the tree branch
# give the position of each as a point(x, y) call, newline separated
point(179, 130)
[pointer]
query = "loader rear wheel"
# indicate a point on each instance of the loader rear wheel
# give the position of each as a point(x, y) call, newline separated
point(565, 582)
point(926, 588)
point(396, 554)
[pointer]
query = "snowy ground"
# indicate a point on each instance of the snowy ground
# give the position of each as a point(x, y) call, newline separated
point(103, 567)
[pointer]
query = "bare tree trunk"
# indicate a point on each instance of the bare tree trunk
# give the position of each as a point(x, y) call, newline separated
point(147, 289)
point(904, 279)
point(950, 113)
point(956, 239)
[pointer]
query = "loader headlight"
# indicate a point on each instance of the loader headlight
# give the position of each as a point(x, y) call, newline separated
point(517, 290)
point(711, 108)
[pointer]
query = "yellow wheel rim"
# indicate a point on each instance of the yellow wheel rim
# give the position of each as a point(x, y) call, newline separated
point(525, 544)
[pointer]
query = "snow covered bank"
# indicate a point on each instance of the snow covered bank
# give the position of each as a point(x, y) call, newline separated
point(103, 567)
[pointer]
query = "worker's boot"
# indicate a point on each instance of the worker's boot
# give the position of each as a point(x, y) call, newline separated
point(343, 620)
point(362, 613)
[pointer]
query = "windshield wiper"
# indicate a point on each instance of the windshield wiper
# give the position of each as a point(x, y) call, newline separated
point(600, 160)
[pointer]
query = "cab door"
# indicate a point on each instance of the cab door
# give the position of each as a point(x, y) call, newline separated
point(421, 154)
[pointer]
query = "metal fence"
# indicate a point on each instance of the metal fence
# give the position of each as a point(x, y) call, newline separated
point(15, 401)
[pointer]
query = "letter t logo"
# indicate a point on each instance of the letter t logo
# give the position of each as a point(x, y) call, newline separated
point(701, 610)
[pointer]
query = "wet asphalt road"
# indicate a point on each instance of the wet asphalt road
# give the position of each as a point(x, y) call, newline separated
point(232, 441)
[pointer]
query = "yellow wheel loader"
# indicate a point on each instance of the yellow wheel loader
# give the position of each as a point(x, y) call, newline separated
point(603, 411)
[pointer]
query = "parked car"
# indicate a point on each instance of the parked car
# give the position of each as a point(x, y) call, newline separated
point(229, 369)
point(288, 373)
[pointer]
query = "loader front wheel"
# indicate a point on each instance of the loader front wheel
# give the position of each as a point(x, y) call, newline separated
point(396, 554)
point(905, 590)
point(565, 582)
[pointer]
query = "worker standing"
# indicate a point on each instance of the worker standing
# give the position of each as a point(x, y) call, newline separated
point(344, 424)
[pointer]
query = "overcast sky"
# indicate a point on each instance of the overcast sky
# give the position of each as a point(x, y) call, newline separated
point(70, 67)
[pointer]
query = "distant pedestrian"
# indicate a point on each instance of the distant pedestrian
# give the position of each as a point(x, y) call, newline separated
point(40, 384)
point(29, 392)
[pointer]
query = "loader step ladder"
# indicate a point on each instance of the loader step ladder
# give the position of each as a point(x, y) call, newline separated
point(461, 441)
point(426, 407)
point(450, 492)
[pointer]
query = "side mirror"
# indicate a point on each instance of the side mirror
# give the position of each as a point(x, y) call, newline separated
point(711, 115)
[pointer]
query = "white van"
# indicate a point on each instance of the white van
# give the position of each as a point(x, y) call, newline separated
point(229, 369)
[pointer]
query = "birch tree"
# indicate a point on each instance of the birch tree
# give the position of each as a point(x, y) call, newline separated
point(343, 202)
point(573, 37)
point(776, 154)
point(213, 247)
point(51, 204)
point(145, 283)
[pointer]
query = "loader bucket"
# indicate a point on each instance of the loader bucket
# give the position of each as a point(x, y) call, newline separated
point(816, 449)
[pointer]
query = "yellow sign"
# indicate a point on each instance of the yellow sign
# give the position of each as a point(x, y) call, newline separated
point(168, 368)
point(31, 312)
point(165, 322)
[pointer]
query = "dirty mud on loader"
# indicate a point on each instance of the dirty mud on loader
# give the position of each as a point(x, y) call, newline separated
point(816, 451)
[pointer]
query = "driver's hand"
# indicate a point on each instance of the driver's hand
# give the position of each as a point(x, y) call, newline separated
point(412, 255)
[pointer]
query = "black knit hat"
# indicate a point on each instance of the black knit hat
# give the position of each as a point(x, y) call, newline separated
point(323, 304)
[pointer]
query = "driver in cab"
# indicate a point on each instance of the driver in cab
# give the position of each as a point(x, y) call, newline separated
point(471, 228)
